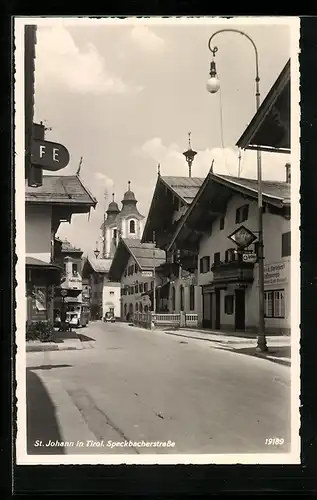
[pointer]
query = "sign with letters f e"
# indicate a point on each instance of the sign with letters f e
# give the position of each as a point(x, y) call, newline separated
point(49, 155)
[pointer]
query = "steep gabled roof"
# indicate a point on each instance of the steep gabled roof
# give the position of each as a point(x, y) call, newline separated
point(183, 189)
point(217, 190)
point(269, 129)
point(144, 254)
point(61, 190)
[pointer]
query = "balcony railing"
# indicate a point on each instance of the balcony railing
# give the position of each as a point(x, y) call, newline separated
point(234, 271)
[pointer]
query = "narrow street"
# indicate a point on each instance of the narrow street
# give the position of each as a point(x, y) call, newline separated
point(136, 385)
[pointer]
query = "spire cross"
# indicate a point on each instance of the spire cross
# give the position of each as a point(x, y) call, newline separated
point(189, 134)
point(112, 196)
point(129, 182)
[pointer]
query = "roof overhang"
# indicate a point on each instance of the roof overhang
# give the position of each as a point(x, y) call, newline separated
point(209, 204)
point(269, 129)
point(161, 210)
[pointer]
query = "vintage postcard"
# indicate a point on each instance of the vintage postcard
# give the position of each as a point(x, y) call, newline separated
point(157, 234)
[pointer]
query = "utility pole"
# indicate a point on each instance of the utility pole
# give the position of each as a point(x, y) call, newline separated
point(154, 287)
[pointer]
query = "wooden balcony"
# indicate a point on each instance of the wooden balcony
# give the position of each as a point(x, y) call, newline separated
point(233, 272)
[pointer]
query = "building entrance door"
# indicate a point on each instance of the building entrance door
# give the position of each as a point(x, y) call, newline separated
point(207, 310)
point(240, 309)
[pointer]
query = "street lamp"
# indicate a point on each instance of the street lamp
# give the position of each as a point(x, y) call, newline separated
point(213, 85)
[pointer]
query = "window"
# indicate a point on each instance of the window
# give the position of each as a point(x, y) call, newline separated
point(191, 298)
point(145, 287)
point(181, 293)
point(141, 307)
point(242, 214)
point(75, 269)
point(136, 289)
point(205, 264)
point(274, 304)
point(222, 223)
point(132, 226)
point(111, 293)
point(114, 234)
point(136, 307)
point(217, 258)
point(125, 309)
point(286, 244)
point(229, 301)
point(141, 287)
point(230, 255)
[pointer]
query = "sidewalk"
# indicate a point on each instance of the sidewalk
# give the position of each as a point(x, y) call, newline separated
point(279, 345)
point(64, 341)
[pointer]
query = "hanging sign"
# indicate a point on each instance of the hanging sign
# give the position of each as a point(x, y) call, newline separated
point(49, 155)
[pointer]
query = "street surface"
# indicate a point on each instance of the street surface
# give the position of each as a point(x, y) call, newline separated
point(142, 386)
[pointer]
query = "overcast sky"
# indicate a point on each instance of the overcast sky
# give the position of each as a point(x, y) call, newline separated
point(125, 96)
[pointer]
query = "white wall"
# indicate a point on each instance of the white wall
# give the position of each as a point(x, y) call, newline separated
point(38, 231)
point(217, 241)
point(111, 294)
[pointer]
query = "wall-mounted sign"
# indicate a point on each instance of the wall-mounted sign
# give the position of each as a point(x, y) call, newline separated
point(147, 274)
point(242, 237)
point(49, 155)
point(276, 274)
point(249, 257)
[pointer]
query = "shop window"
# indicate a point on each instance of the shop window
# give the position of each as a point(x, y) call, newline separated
point(286, 244)
point(205, 264)
point(274, 304)
point(192, 298)
point(145, 287)
point(242, 214)
point(132, 226)
point(229, 301)
point(222, 223)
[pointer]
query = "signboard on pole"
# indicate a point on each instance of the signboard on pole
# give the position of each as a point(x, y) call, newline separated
point(249, 257)
point(49, 155)
point(147, 274)
point(242, 237)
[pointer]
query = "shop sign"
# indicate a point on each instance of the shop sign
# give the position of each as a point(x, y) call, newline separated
point(242, 237)
point(147, 274)
point(49, 155)
point(276, 274)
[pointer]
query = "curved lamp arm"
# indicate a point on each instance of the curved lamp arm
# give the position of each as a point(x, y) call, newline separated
point(257, 77)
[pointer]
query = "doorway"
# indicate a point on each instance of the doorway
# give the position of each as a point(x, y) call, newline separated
point(207, 310)
point(239, 309)
point(217, 316)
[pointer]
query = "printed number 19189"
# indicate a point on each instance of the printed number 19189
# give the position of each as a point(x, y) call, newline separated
point(274, 441)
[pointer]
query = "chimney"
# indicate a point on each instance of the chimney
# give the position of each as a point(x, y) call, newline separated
point(288, 172)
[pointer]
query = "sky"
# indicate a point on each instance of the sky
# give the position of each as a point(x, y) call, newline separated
point(124, 95)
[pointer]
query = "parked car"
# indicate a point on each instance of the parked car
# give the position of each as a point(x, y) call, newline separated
point(109, 317)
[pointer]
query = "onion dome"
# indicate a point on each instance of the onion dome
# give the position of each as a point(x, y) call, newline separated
point(113, 207)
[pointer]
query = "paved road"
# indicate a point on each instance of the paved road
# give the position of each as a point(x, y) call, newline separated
point(139, 385)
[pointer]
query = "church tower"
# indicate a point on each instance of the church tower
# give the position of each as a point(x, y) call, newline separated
point(110, 229)
point(130, 219)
